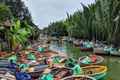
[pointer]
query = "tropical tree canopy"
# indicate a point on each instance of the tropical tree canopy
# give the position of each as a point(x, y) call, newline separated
point(56, 29)
point(100, 20)
point(18, 34)
point(5, 14)
point(13, 31)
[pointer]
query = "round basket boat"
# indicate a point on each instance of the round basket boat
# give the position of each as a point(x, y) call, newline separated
point(99, 59)
point(61, 72)
point(95, 71)
point(6, 74)
point(36, 71)
point(79, 77)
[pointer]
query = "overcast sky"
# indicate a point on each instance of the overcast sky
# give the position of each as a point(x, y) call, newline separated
point(46, 11)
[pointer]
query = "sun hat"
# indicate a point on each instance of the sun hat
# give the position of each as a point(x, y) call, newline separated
point(47, 70)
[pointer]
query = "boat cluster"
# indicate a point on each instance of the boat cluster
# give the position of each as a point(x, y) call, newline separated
point(43, 64)
point(97, 47)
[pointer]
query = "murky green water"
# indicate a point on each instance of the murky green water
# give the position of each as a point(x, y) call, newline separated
point(113, 63)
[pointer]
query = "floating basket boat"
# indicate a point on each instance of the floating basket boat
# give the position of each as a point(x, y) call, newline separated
point(95, 71)
point(79, 77)
point(6, 74)
point(36, 71)
point(61, 72)
point(98, 60)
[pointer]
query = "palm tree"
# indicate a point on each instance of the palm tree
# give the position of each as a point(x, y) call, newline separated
point(18, 35)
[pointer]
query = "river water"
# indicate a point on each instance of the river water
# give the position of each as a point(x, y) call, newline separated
point(113, 63)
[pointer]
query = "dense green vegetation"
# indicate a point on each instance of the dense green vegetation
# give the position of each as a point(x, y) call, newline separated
point(21, 12)
point(99, 21)
point(56, 29)
point(16, 26)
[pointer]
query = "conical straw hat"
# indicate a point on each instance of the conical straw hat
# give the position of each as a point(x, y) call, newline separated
point(47, 70)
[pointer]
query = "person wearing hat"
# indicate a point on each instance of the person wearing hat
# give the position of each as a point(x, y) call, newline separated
point(47, 75)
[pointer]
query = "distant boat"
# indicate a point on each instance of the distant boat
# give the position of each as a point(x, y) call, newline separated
point(87, 46)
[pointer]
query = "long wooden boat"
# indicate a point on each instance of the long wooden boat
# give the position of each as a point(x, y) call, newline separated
point(78, 77)
point(95, 71)
point(86, 49)
point(98, 60)
point(60, 73)
point(36, 71)
point(100, 51)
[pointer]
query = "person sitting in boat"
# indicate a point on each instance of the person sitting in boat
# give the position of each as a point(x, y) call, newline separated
point(93, 58)
point(40, 49)
point(69, 62)
point(31, 56)
point(13, 59)
point(109, 49)
point(89, 44)
point(113, 49)
point(22, 76)
point(50, 62)
point(77, 70)
point(84, 43)
point(81, 43)
point(12, 66)
point(87, 60)
point(23, 67)
point(56, 60)
point(47, 75)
